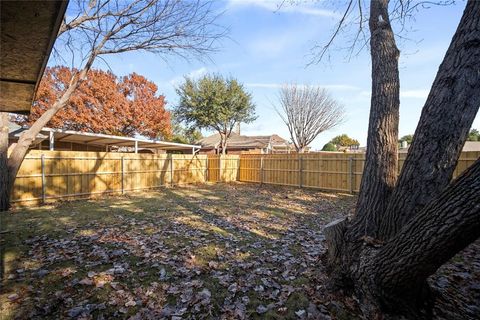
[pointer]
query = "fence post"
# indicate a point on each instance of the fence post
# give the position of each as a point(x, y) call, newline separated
point(206, 168)
point(261, 170)
point(300, 170)
point(171, 170)
point(43, 179)
point(220, 168)
point(123, 174)
point(350, 173)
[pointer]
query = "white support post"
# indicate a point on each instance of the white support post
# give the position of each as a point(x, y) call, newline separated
point(136, 146)
point(51, 138)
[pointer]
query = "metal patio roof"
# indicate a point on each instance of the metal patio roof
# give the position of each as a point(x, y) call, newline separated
point(110, 140)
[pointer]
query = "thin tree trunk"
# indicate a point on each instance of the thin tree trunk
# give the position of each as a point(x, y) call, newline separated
point(26, 139)
point(443, 228)
point(4, 171)
point(443, 128)
point(380, 172)
point(223, 142)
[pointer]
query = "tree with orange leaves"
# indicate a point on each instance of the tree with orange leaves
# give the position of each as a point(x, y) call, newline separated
point(103, 103)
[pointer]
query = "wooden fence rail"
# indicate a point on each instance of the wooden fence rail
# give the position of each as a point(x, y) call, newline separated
point(48, 175)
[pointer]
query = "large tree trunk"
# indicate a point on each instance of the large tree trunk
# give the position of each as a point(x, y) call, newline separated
point(443, 228)
point(380, 172)
point(422, 227)
point(443, 128)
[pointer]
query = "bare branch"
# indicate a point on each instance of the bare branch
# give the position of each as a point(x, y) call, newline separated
point(169, 27)
point(353, 18)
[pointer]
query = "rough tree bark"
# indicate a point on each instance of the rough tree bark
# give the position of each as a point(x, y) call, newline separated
point(380, 172)
point(444, 124)
point(427, 222)
point(440, 230)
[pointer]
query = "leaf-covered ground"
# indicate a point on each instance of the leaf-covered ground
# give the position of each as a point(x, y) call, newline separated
point(224, 251)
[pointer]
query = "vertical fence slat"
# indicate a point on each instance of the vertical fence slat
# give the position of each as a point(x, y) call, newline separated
point(350, 174)
point(171, 170)
point(43, 178)
point(300, 171)
point(261, 170)
point(123, 174)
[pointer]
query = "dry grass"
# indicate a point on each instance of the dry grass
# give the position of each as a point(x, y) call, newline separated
point(224, 250)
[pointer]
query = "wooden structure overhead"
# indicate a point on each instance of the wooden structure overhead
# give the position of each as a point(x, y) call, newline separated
point(28, 31)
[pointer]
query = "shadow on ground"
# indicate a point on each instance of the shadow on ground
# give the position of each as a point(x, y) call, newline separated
point(223, 251)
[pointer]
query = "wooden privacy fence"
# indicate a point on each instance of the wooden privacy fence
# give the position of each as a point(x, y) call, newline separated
point(326, 171)
point(49, 175)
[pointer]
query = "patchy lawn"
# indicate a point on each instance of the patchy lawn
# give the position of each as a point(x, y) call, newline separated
point(224, 251)
point(228, 251)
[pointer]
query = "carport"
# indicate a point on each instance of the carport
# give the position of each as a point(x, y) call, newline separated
point(108, 141)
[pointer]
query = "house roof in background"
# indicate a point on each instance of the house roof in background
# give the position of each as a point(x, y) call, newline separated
point(468, 146)
point(240, 141)
point(28, 31)
point(471, 146)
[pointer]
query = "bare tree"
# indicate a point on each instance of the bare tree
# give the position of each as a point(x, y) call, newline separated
point(95, 29)
point(308, 111)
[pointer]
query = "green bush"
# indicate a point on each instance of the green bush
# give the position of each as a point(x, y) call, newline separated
point(329, 147)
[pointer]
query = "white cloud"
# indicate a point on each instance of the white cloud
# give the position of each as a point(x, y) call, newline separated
point(344, 87)
point(197, 73)
point(281, 6)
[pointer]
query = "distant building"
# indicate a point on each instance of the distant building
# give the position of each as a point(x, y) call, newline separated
point(468, 146)
point(238, 144)
point(471, 146)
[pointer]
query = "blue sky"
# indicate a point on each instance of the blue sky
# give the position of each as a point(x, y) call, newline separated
point(266, 49)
